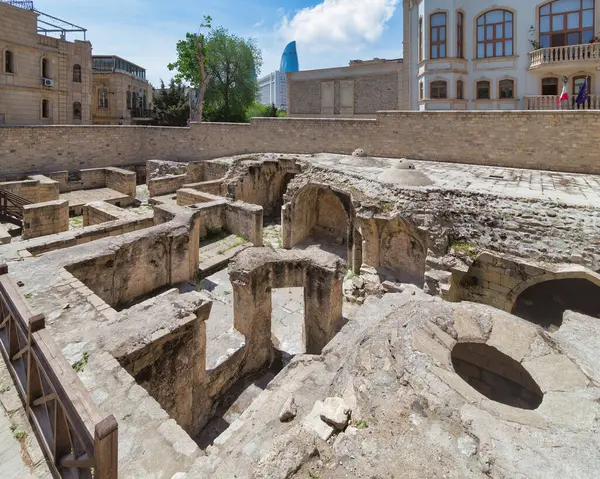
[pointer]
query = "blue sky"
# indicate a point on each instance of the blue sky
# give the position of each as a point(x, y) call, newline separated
point(329, 33)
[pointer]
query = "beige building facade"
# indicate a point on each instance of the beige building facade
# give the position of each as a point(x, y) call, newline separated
point(43, 80)
point(358, 90)
point(121, 94)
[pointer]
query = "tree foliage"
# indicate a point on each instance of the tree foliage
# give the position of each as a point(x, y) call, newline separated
point(171, 105)
point(258, 110)
point(231, 64)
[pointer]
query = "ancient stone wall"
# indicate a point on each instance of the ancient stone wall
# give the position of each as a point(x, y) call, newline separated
point(515, 139)
point(101, 212)
point(35, 188)
point(41, 219)
point(165, 185)
point(122, 181)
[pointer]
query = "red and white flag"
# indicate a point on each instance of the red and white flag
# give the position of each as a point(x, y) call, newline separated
point(564, 95)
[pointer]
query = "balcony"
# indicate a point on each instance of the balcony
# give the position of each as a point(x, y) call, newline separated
point(550, 102)
point(141, 113)
point(564, 55)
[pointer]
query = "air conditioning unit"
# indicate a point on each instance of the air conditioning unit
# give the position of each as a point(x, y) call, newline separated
point(47, 82)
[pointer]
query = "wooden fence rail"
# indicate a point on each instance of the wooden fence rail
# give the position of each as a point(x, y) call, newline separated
point(77, 439)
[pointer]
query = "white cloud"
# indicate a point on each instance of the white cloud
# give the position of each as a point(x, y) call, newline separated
point(258, 24)
point(335, 24)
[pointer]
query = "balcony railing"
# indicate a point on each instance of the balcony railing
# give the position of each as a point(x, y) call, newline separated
point(571, 53)
point(550, 102)
point(141, 113)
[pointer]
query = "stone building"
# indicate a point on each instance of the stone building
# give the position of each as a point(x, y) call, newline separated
point(121, 94)
point(358, 90)
point(512, 55)
point(43, 80)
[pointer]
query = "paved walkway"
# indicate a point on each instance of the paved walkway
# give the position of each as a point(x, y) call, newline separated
point(569, 188)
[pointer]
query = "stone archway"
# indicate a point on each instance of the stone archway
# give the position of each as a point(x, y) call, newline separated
point(253, 274)
point(321, 215)
point(544, 303)
point(402, 254)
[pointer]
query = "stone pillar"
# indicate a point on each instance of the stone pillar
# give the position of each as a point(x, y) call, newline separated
point(252, 317)
point(370, 243)
point(322, 307)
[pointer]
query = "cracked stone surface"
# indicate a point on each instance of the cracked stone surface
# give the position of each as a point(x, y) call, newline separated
point(411, 400)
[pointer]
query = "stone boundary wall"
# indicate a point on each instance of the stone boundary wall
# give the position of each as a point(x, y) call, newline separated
point(561, 141)
point(41, 219)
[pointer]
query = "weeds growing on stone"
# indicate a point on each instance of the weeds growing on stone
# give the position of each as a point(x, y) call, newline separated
point(80, 365)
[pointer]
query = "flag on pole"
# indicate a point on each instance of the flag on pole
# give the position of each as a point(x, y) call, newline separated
point(583, 94)
point(564, 95)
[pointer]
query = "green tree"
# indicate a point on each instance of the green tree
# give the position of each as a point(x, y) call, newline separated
point(258, 110)
point(191, 65)
point(171, 105)
point(230, 63)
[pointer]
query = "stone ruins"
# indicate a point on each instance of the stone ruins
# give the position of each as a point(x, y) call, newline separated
point(300, 315)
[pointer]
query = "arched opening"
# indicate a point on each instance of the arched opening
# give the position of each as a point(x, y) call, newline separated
point(320, 219)
point(545, 303)
point(76, 73)
point(77, 111)
point(9, 62)
point(402, 254)
point(45, 109)
point(45, 68)
point(496, 375)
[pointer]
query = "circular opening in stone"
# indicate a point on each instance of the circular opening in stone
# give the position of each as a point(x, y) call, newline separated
point(496, 375)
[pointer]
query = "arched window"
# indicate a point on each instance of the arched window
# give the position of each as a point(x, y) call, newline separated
point(421, 91)
point(45, 69)
point(45, 109)
point(566, 22)
point(438, 89)
point(76, 111)
point(507, 89)
point(483, 90)
point(495, 34)
point(460, 32)
point(9, 62)
point(421, 39)
point(437, 36)
point(76, 73)
point(460, 95)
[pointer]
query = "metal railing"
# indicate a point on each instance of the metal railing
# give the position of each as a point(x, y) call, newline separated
point(75, 437)
point(141, 113)
point(570, 53)
point(550, 102)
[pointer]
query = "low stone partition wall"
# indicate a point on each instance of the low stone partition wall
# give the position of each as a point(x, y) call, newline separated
point(101, 212)
point(38, 246)
point(245, 220)
point(165, 185)
point(120, 180)
point(189, 196)
point(214, 187)
point(34, 188)
point(41, 219)
point(216, 212)
point(140, 262)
